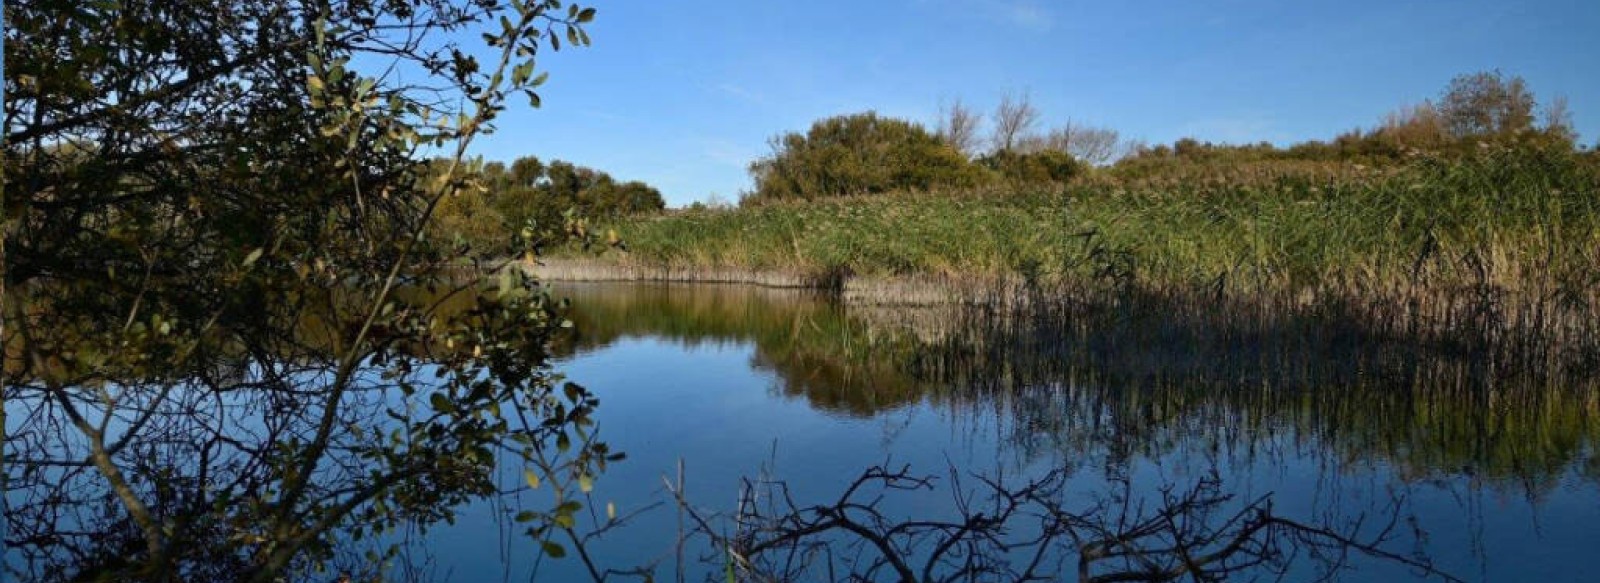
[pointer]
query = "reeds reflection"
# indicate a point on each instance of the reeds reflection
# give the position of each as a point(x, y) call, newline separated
point(1145, 375)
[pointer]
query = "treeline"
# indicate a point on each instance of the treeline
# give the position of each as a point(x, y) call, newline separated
point(866, 153)
point(1474, 111)
point(534, 200)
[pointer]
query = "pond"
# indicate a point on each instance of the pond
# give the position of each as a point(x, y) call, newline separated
point(1489, 476)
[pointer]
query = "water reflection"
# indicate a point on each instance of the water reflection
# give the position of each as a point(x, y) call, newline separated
point(834, 361)
point(1115, 385)
point(1491, 466)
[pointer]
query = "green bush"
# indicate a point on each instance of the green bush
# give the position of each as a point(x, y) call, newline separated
point(1035, 167)
point(857, 154)
point(531, 192)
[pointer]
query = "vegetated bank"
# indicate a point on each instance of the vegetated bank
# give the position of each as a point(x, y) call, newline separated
point(1519, 221)
point(1470, 191)
point(1439, 225)
point(1501, 245)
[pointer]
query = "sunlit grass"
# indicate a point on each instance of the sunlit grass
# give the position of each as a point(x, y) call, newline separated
point(1520, 220)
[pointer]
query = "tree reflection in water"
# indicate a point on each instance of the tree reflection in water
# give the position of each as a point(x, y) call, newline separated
point(1107, 388)
point(1140, 380)
point(1034, 532)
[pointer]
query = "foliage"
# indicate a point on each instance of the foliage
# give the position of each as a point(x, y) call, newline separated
point(226, 344)
point(858, 154)
point(1042, 166)
point(1445, 228)
point(1476, 110)
point(553, 200)
point(1486, 104)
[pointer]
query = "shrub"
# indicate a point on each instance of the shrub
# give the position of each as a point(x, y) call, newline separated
point(855, 154)
point(532, 192)
point(1034, 168)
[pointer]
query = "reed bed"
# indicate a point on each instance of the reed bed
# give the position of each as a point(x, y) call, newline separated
point(588, 270)
point(1496, 252)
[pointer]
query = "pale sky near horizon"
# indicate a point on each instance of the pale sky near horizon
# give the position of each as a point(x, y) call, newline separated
point(684, 95)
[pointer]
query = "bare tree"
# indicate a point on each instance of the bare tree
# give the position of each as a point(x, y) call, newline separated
point(1558, 119)
point(1013, 119)
point(958, 126)
point(1094, 145)
point(1090, 144)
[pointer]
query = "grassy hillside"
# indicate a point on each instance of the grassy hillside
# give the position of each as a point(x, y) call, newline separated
point(1519, 220)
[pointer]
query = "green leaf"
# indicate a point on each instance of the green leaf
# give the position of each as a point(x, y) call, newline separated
point(585, 483)
point(554, 550)
point(586, 15)
point(254, 256)
point(441, 403)
point(532, 478)
point(520, 73)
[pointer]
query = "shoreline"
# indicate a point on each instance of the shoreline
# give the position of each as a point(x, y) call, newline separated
point(904, 290)
point(1487, 323)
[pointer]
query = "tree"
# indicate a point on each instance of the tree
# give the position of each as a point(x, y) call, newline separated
point(1558, 120)
point(549, 203)
point(1094, 145)
point(231, 343)
point(1486, 104)
point(1014, 118)
point(1043, 529)
point(1089, 144)
point(959, 126)
point(1420, 126)
point(527, 171)
point(859, 154)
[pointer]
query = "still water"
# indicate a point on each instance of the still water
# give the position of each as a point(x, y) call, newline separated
point(1490, 479)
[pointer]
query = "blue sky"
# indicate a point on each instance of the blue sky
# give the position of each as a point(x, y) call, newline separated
point(684, 94)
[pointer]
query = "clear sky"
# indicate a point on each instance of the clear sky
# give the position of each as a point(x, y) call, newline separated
point(684, 94)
